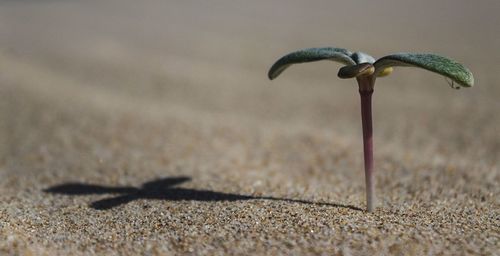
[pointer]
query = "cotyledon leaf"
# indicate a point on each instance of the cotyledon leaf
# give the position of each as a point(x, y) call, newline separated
point(435, 63)
point(308, 55)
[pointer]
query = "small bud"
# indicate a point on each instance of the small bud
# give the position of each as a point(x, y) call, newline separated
point(385, 72)
point(356, 70)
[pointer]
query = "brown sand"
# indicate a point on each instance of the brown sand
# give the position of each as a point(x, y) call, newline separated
point(115, 101)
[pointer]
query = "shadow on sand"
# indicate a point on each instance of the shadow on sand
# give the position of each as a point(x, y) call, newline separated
point(163, 189)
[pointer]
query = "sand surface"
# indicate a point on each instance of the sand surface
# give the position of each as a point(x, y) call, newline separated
point(150, 128)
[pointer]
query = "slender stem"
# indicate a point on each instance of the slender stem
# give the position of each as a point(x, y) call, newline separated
point(365, 91)
point(366, 117)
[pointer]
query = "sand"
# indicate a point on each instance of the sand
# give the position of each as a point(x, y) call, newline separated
point(153, 130)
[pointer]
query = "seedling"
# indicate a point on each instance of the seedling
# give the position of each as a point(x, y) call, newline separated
point(365, 69)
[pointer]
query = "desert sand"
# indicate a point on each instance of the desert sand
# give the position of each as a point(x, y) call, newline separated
point(151, 128)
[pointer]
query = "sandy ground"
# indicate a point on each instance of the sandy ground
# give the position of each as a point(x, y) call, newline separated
point(151, 128)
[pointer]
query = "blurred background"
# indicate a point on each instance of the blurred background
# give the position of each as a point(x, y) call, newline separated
point(211, 58)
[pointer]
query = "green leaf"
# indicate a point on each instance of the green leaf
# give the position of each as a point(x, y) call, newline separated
point(310, 55)
point(435, 63)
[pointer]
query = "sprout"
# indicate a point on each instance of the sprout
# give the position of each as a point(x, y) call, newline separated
point(365, 69)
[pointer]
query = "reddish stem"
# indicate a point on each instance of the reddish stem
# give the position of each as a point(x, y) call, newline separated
point(366, 117)
point(366, 84)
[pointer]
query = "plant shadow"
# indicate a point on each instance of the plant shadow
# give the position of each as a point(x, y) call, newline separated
point(163, 189)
